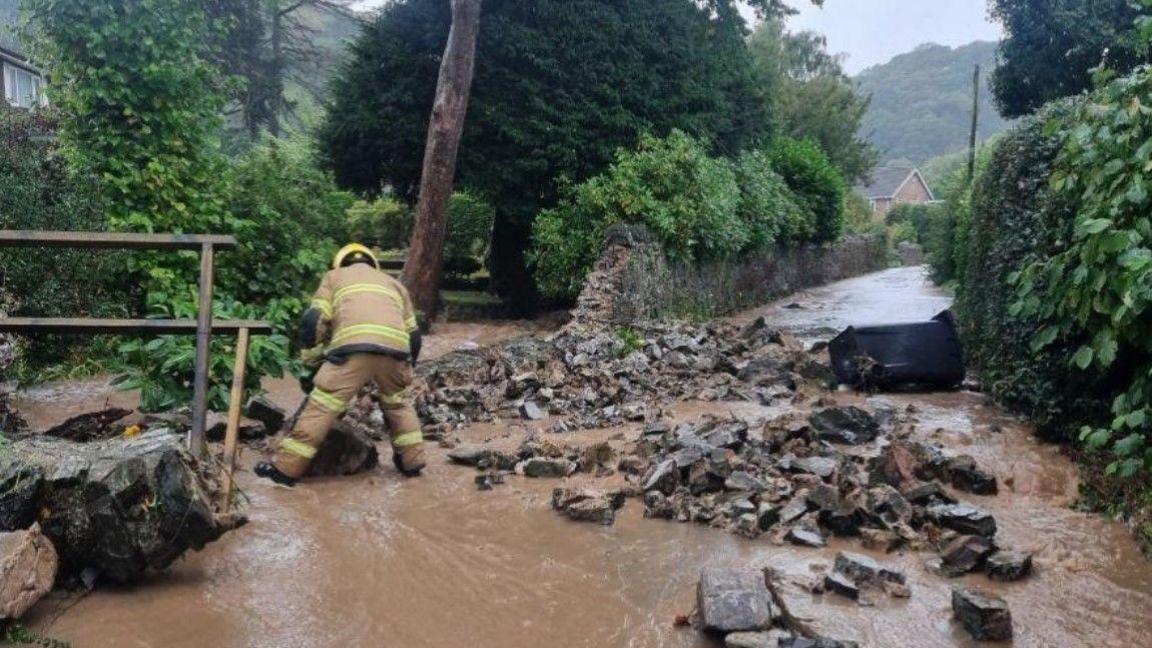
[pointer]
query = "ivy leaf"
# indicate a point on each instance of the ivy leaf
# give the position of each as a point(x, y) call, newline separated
point(1083, 357)
point(1098, 439)
point(1129, 445)
point(1094, 226)
point(1045, 337)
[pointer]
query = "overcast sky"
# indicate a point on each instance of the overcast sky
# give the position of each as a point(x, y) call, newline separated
point(871, 32)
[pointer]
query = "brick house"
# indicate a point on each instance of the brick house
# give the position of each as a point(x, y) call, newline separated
point(891, 186)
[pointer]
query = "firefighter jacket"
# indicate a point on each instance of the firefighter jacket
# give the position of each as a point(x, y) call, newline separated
point(359, 309)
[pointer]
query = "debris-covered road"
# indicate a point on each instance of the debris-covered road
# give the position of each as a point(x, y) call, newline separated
point(459, 558)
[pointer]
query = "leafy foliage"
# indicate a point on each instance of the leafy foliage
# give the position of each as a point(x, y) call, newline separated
point(1051, 47)
point(1096, 291)
point(921, 102)
point(469, 236)
point(767, 206)
point(686, 198)
point(559, 86)
point(384, 223)
point(818, 186)
point(812, 96)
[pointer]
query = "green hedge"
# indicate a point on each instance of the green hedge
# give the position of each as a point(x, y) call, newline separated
point(1016, 221)
point(818, 186)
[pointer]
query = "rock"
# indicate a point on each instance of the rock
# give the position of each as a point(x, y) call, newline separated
point(1008, 565)
point(93, 426)
point(805, 537)
point(795, 508)
point(842, 584)
point(880, 540)
point(347, 450)
point(765, 371)
point(532, 412)
point(742, 481)
point(847, 425)
point(822, 467)
point(119, 507)
point(965, 554)
point(770, 639)
point(894, 466)
point(963, 518)
point(733, 600)
point(587, 505)
point(546, 467)
point(862, 569)
point(966, 476)
point(843, 520)
point(816, 642)
point(28, 564)
point(663, 477)
point(247, 430)
point(487, 481)
point(928, 494)
point(984, 616)
point(469, 454)
point(271, 415)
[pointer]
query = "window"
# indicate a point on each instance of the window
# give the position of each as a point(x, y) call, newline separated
point(21, 87)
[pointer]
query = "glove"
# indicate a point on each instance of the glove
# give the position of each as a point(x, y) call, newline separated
point(313, 357)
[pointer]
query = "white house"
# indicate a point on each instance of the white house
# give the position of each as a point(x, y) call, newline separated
point(23, 82)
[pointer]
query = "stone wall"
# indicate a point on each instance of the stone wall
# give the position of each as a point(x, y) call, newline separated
point(633, 281)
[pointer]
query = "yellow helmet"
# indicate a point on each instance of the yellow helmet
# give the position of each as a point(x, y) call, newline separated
point(354, 251)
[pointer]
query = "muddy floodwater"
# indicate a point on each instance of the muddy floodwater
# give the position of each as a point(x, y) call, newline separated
point(375, 560)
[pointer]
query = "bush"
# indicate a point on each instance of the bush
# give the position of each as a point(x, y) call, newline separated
point(686, 198)
point(384, 223)
point(469, 236)
point(767, 207)
point(818, 186)
point(914, 218)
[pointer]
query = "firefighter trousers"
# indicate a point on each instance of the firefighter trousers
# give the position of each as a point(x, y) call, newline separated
point(336, 385)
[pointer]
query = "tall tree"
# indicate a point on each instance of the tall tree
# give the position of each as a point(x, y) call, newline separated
point(1051, 46)
point(814, 99)
point(423, 268)
point(559, 86)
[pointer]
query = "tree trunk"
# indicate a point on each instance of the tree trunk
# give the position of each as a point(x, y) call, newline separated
point(276, 70)
point(424, 266)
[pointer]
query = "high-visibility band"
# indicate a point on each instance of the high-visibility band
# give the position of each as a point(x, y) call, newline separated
point(408, 439)
point(394, 334)
point(369, 288)
point(298, 448)
point(328, 401)
point(399, 398)
point(324, 306)
point(410, 322)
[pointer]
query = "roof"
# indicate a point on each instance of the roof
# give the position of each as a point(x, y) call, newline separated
point(886, 182)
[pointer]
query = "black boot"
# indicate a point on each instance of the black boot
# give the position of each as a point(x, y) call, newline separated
point(268, 471)
point(400, 466)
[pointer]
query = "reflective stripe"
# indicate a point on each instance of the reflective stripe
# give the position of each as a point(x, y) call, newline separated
point(324, 306)
point(380, 330)
point(408, 439)
point(370, 288)
point(328, 401)
point(298, 448)
point(410, 322)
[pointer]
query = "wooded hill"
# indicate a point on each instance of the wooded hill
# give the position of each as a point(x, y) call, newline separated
point(922, 101)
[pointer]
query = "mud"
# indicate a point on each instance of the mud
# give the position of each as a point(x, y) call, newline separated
point(377, 560)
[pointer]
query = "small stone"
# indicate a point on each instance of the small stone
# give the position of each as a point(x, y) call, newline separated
point(965, 554)
point(271, 415)
point(664, 477)
point(862, 569)
point(965, 475)
point(816, 642)
point(822, 467)
point(842, 584)
point(743, 481)
point(880, 540)
point(544, 467)
point(805, 537)
point(532, 412)
point(770, 639)
point(848, 425)
point(984, 616)
point(963, 518)
point(733, 600)
point(586, 505)
point(928, 494)
point(469, 454)
point(1008, 565)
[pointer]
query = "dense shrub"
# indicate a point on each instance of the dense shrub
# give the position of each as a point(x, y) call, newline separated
point(1017, 221)
point(767, 206)
point(686, 198)
point(469, 235)
point(915, 218)
point(818, 186)
point(384, 223)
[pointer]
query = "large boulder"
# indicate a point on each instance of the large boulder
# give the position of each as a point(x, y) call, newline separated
point(347, 450)
point(28, 565)
point(117, 507)
point(734, 600)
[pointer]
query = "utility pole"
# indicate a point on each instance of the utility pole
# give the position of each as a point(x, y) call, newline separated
point(424, 265)
point(975, 124)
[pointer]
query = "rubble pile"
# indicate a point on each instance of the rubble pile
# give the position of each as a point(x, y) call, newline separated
point(593, 376)
point(113, 509)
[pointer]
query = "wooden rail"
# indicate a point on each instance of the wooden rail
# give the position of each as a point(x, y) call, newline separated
point(202, 326)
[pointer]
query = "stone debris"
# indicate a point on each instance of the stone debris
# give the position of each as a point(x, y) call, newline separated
point(1008, 565)
point(846, 425)
point(588, 505)
point(769, 639)
point(271, 415)
point(28, 564)
point(733, 600)
point(965, 554)
point(963, 518)
point(216, 427)
point(119, 507)
point(859, 577)
point(347, 450)
point(984, 616)
point(545, 467)
point(816, 642)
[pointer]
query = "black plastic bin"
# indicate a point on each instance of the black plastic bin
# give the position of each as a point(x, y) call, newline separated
point(919, 353)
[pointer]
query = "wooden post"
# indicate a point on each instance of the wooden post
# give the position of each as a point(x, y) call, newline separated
point(423, 268)
point(196, 444)
point(239, 373)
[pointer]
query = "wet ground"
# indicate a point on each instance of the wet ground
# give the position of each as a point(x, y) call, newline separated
point(376, 560)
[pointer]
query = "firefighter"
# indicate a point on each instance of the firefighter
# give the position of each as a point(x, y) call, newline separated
point(360, 326)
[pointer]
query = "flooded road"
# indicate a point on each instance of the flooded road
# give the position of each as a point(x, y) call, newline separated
point(375, 560)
